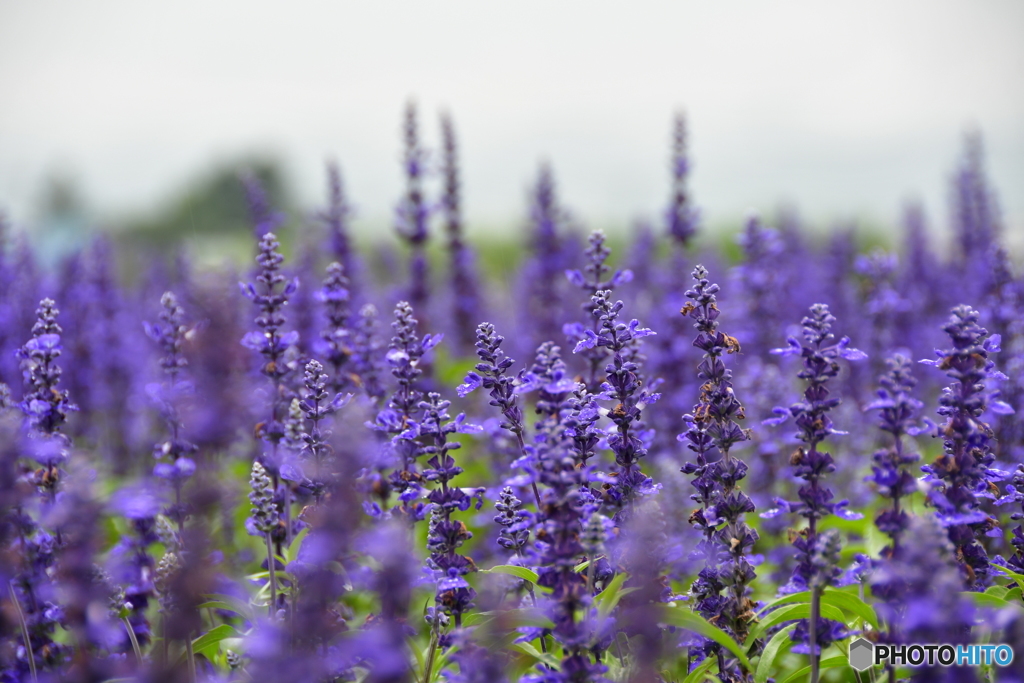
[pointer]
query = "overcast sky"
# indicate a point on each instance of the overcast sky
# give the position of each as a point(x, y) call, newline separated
point(845, 109)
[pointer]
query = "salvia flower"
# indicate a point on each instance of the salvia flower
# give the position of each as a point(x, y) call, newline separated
point(175, 453)
point(592, 280)
point(412, 215)
point(963, 473)
point(813, 636)
point(565, 498)
point(713, 430)
point(515, 522)
point(465, 288)
point(337, 350)
point(45, 406)
point(898, 411)
point(263, 216)
point(446, 535)
point(404, 409)
point(921, 591)
point(680, 216)
point(623, 385)
point(492, 373)
point(270, 295)
point(820, 353)
point(316, 405)
point(264, 515)
point(366, 356)
point(336, 217)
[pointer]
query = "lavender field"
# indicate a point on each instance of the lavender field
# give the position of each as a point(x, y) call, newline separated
point(644, 458)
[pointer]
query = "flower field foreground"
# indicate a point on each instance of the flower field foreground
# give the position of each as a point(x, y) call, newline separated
point(682, 467)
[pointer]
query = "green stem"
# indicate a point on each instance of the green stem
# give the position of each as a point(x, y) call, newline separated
point(135, 641)
point(429, 665)
point(191, 658)
point(815, 611)
point(24, 633)
point(273, 576)
point(164, 645)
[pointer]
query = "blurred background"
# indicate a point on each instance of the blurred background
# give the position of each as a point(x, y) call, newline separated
point(138, 117)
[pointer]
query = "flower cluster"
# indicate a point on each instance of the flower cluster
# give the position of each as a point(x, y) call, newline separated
point(152, 534)
point(713, 428)
point(963, 474)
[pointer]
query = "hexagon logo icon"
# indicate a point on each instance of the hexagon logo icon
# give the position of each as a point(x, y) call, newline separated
point(862, 654)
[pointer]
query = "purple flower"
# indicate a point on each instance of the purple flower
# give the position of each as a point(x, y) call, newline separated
point(623, 385)
point(898, 416)
point(680, 216)
point(404, 409)
point(462, 271)
point(45, 406)
point(270, 295)
point(963, 473)
point(335, 218)
point(335, 336)
point(714, 428)
point(412, 215)
point(820, 353)
point(264, 218)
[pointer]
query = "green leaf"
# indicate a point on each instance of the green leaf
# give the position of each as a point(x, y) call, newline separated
point(684, 618)
point(779, 643)
point(512, 570)
point(998, 591)
point(230, 603)
point(545, 657)
point(608, 598)
point(1019, 578)
point(526, 616)
point(987, 600)
point(210, 640)
point(850, 603)
point(701, 672)
point(291, 552)
point(792, 613)
point(804, 596)
point(805, 673)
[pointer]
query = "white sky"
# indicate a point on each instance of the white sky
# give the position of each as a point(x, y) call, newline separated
point(843, 108)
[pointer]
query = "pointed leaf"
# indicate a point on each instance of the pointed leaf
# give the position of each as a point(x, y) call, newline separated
point(700, 674)
point(779, 644)
point(684, 618)
point(512, 570)
point(804, 674)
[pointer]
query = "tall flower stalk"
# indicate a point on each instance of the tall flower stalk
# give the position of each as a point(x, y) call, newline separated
point(492, 374)
point(891, 473)
point(270, 295)
point(265, 519)
point(46, 408)
point(680, 216)
point(336, 334)
point(713, 427)
point(413, 213)
point(623, 385)
point(404, 409)
point(465, 288)
point(335, 218)
point(820, 353)
point(962, 476)
point(175, 453)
